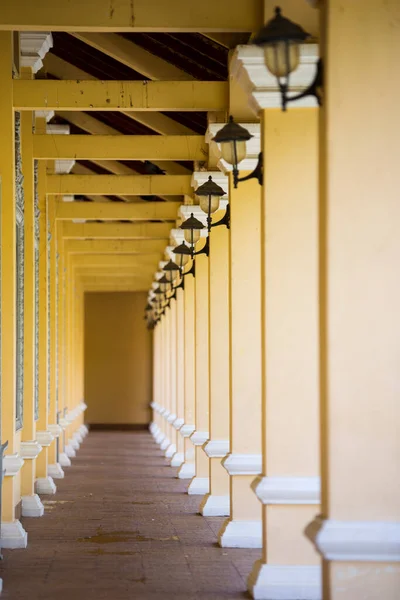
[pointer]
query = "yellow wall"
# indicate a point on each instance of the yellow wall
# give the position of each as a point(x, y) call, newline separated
point(118, 358)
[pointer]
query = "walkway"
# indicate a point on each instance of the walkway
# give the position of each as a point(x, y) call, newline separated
point(121, 528)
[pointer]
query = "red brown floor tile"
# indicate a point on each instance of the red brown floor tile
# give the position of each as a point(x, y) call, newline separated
point(121, 527)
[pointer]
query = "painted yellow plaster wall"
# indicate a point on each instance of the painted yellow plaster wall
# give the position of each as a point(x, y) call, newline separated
point(118, 358)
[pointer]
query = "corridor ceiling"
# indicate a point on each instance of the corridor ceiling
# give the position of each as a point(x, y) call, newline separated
point(114, 56)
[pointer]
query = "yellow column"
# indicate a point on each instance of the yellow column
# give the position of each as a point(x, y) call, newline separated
point(160, 436)
point(358, 532)
point(179, 455)
point(243, 528)
point(188, 469)
point(200, 483)
point(30, 448)
point(44, 482)
point(63, 347)
point(166, 378)
point(170, 451)
point(155, 405)
point(289, 485)
point(54, 467)
point(217, 502)
point(12, 533)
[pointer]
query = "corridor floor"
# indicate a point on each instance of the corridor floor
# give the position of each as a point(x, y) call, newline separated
point(120, 528)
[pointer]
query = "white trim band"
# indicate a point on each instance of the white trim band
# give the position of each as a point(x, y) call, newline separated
point(198, 438)
point(12, 463)
point(217, 448)
point(354, 541)
point(178, 423)
point(55, 430)
point(243, 464)
point(44, 438)
point(287, 490)
point(30, 450)
point(186, 430)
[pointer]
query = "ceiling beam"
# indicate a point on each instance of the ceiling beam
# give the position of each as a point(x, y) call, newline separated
point(44, 94)
point(128, 16)
point(116, 231)
point(72, 246)
point(115, 260)
point(133, 56)
point(92, 125)
point(156, 121)
point(123, 147)
point(116, 211)
point(79, 169)
point(133, 185)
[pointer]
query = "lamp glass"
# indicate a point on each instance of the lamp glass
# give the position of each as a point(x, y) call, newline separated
point(282, 58)
point(208, 203)
point(170, 275)
point(228, 151)
point(191, 236)
point(183, 259)
point(164, 286)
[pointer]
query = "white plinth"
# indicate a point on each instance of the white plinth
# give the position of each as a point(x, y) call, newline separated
point(199, 486)
point(78, 437)
point(55, 471)
point(187, 471)
point(165, 443)
point(241, 534)
point(83, 430)
point(159, 437)
point(45, 485)
point(287, 582)
point(13, 535)
point(170, 451)
point(177, 459)
point(64, 460)
point(215, 506)
point(69, 451)
point(73, 442)
point(32, 506)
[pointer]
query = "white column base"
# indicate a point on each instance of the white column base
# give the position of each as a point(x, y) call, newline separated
point(13, 536)
point(170, 451)
point(64, 460)
point(187, 471)
point(241, 534)
point(165, 443)
point(83, 430)
point(215, 506)
point(275, 582)
point(159, 437)
point(55, 471)
point(45, 485)
point(199, 486)
point(69, 451)
point(32, 506)
point(177, 459)
point(78, 437)
point(153, 428)
point(73, 442)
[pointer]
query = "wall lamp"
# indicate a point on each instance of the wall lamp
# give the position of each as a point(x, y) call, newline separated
point(209, 195)
point(232, 138)
point(281, 38)
point(192, 232)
